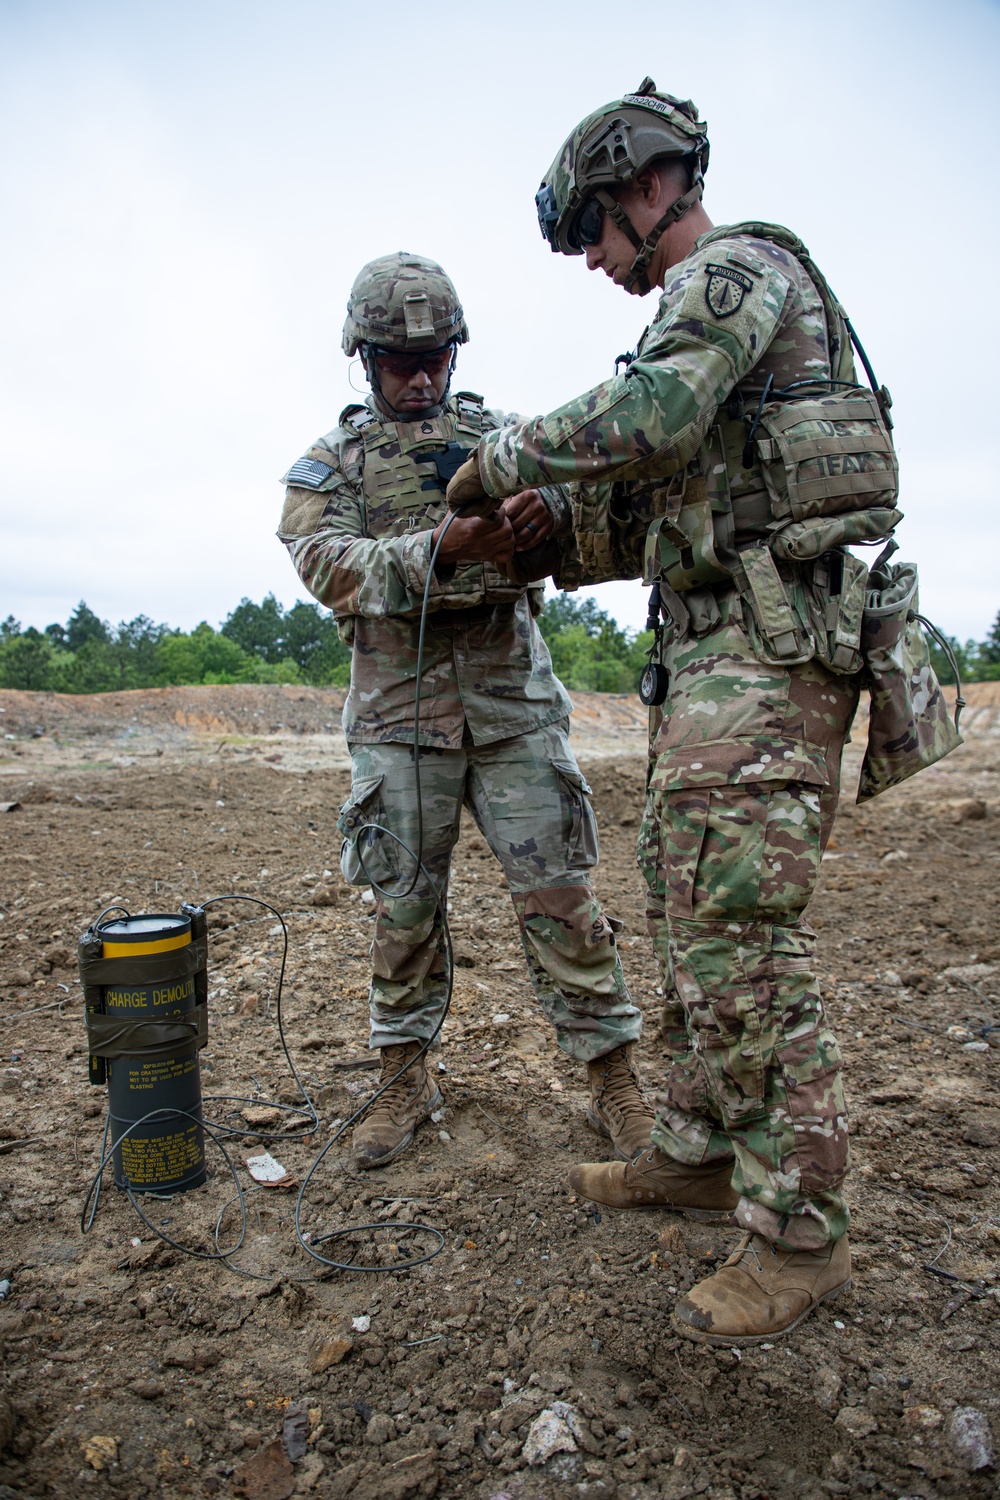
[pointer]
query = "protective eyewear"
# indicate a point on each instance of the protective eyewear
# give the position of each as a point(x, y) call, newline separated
point(404, 365)
point(588, 226)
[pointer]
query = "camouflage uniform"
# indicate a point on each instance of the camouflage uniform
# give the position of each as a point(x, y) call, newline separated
point(493, 728)
point(764, 681)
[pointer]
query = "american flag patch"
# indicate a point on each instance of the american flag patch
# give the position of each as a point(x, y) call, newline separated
point(309, 473)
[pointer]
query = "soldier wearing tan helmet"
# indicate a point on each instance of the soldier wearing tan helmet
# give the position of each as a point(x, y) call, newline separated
point(364, 508)
point(730, 464)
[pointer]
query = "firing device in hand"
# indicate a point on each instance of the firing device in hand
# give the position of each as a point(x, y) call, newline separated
point(466, 493)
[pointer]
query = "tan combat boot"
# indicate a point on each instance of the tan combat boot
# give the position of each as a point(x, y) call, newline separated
point(387, 1129)
point(653, 1180)
point(762, 1292)
point(618, 1108)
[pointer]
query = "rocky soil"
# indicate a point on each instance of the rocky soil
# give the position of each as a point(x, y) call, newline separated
point(131, 1368)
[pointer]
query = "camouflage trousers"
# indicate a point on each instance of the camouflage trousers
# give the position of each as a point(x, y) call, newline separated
point(532, 805)
point(755, 1074)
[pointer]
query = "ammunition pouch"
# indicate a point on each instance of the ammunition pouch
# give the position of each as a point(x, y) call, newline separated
point(795, 614)
point(593, 531)
point(835, 600)
point(609, 524)
point(777, 629)
point(909, 726)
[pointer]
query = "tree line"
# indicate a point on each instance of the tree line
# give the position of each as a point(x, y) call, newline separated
point(266, 643)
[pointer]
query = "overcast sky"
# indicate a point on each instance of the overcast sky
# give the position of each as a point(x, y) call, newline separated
point(188, 190)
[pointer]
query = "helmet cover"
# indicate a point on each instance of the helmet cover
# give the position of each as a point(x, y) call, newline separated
point(405, 302)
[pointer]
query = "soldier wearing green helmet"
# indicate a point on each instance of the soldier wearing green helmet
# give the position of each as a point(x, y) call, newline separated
point(404, 304)
point(364, 509)
point(730, 464)
point(607, 151)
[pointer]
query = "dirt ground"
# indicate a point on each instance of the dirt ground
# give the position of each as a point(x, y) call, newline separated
point(131, 1368)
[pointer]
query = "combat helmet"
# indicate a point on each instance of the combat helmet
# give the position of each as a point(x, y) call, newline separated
point(607, 150)
point(405, 302)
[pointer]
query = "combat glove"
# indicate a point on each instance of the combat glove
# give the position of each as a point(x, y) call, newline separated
point(465, 491)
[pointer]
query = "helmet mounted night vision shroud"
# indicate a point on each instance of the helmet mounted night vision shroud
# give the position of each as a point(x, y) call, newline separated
point(607, 151)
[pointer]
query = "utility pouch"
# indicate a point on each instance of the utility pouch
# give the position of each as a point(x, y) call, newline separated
point(909, 726)
point(835, 600)
point(801, 541)
point(827, 455)
point(775, 627)
point(680, 547)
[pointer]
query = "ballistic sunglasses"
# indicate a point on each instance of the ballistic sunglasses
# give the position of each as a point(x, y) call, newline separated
point(405, 365)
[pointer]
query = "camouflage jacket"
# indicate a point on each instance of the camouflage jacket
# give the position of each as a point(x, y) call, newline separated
point(739, 308)
point(358, 526)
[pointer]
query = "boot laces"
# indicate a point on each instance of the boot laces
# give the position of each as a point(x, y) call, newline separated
point(619, 1085)
point(749, 1248)
point(400, 1084)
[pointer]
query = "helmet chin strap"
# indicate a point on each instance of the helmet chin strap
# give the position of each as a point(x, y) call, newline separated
point(637, 278)
point(424, 412)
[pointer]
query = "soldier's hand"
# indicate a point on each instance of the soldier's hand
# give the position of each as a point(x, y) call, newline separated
point(530, 518)
point(465, 491)
point(476, 539)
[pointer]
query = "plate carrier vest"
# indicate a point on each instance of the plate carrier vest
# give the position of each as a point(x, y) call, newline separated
point(405, 470)
point(782, 483)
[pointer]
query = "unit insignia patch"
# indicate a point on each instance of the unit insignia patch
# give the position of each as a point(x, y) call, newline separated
point(725, 290)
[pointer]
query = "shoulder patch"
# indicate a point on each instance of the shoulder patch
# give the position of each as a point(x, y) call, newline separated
point(725, 290)
point(308, 473)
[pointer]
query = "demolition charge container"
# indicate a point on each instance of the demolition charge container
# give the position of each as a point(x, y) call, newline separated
point(145, 985)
